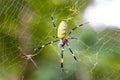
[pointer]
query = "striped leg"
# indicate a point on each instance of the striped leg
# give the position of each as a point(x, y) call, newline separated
point(76, 27)
point(53, 22)
point(40, 47)
point(71, 51)
point(36, 50)
point(72, 38)
point(52, 18)
point(62, 52)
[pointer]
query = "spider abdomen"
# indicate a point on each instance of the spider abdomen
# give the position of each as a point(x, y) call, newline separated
point(62, 30)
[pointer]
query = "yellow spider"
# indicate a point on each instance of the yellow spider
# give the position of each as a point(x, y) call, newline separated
point(62, 37)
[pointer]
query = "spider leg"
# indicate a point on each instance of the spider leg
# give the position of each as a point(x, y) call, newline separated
point(71, 51)
point(53, 21)
point(36, 50)
point(62, 52)
point(55, 37)
point(74, 28)
point(52, 18)
point(54, 25)
point(73, 38)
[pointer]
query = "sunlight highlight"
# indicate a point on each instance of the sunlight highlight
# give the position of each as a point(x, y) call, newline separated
point(103, 13)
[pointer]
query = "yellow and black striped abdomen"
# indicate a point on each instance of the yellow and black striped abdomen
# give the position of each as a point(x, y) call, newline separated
point(62, 30)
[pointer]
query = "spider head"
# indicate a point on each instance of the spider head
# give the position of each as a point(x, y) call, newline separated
point(63, 42)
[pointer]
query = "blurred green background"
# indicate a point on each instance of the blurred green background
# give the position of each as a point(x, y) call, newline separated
point(26, 24)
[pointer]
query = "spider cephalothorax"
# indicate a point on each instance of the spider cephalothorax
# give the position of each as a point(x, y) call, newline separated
point(63, 42)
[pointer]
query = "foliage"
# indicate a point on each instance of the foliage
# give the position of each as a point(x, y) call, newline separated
point(26, 24)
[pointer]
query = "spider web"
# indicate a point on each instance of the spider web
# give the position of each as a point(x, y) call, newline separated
point(26, 24)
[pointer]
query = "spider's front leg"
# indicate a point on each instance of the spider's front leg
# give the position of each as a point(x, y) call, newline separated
point(53, 22)
point(71, 52)
point(74, 28)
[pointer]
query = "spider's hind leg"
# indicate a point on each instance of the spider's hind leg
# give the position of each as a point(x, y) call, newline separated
point(71, 52)
point(62, 52)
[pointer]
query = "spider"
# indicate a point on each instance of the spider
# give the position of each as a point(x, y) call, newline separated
point(63, 38)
